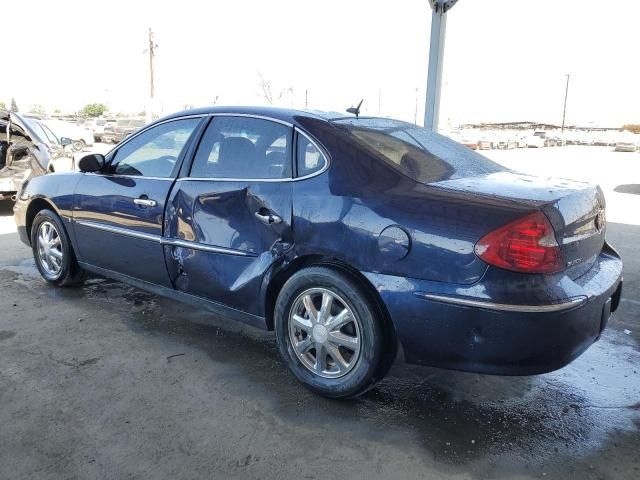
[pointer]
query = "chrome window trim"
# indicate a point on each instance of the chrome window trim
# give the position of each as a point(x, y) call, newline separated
point(250, 115)
point(503, 307)
point(322, 151)
point(244, 115)
point(165, 240)
point(151, 125)
point(115, 148)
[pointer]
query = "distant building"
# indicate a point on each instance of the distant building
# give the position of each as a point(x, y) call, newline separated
point(534, 126)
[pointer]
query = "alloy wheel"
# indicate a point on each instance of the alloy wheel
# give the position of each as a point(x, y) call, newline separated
point(325, 333)
point(50, 254)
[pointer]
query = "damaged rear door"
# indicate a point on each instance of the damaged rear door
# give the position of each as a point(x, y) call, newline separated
point(229, 220)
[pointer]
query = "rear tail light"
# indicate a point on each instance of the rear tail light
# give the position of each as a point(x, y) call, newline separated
point(524, 245)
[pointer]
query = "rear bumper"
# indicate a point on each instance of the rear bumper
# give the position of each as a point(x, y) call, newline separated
point(505, 330)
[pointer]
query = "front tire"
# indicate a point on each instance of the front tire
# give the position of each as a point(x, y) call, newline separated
point(329, 333)
point(52, 251)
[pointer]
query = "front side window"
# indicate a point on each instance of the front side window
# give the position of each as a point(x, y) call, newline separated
point(244, 147)
point(155, 152)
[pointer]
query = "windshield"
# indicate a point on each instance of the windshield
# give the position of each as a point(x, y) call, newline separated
point(51, 137)
point(419, 153)
point(43, 133)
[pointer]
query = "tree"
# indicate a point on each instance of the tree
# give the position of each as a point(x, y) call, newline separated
point(94, 109)
point(37, 109)
point(632, 127)
point(3, 106)
point(14, 105)
point(267, 92)
point(265, 86)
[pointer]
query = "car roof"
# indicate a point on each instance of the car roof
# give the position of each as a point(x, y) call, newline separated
point(285, 114)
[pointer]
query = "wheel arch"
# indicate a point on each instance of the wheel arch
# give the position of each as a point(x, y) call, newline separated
point(278, 280)
point(36, 205)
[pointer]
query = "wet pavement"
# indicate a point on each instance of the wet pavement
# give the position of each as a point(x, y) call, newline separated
point(108, 381)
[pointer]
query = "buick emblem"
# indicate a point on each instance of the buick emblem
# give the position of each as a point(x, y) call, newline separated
point(601, 220)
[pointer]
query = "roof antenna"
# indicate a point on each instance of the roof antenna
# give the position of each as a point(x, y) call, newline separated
point(355, 110)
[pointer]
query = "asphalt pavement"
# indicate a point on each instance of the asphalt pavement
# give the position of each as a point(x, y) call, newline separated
point(108, 381)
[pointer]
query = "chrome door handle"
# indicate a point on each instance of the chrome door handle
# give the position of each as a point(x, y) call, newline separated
point(144, 202)
point(268, 218)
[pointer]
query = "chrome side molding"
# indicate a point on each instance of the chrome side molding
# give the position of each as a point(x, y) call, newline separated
point(205, 248)
point(120, 230)
point(503, 307)
point(175, 242)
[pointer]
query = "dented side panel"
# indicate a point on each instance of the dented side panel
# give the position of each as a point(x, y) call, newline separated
point(227, 250)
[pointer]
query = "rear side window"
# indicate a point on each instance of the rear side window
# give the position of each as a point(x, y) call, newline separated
point(419, 153)
point(308, 157)
point(244, 148)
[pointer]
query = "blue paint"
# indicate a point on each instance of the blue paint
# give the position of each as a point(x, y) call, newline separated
point(406, 231)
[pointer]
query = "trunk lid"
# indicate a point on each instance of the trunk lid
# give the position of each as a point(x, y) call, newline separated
point(576, 210)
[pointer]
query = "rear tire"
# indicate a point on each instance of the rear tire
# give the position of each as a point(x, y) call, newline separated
point(52, 251)
point(323, 310)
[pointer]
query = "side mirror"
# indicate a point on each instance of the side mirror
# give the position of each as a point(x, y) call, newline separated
point(91, 163)
point(64, 141)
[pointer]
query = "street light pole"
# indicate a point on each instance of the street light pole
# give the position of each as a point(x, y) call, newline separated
point(564, 109)
point(439, 9)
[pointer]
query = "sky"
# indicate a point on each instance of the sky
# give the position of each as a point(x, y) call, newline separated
point(505, 60)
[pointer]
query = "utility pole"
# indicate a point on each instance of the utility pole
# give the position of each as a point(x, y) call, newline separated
point(566, 94)
point(415, 115)
point(306, 98)
point(152, 54)
point(436, 59)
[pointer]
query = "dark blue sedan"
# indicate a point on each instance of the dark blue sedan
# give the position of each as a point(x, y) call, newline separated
point(353, 238)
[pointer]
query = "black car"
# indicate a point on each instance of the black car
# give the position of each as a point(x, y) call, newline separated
point(26, 150)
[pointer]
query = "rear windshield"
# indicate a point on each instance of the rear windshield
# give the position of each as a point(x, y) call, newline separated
point(419, 153)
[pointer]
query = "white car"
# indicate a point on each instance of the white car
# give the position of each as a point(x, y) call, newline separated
point(627, 142)
point(82, 137)
point(536, 140)
point(96, 125)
